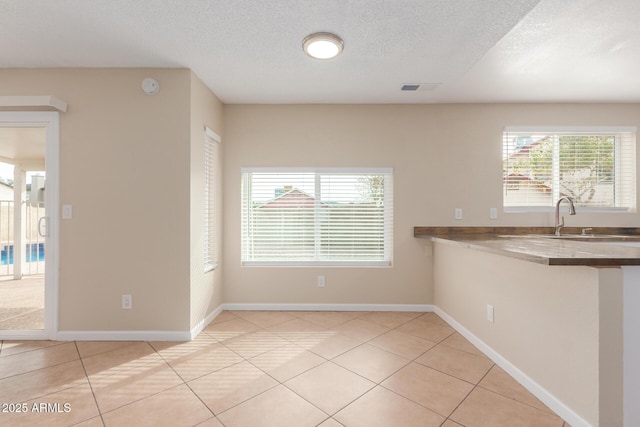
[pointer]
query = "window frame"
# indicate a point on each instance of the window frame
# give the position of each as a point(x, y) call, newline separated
point(629, 149)
point(387, 260)
point(210, 163)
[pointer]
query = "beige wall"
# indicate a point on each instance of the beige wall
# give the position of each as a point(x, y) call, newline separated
point(205, 289)
point(130, 165)
point(124, 162)
point(131, 168)
point(326, 136)
point(444, 156)
point(560, 326)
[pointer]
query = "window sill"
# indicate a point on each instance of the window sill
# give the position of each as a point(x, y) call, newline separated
point(352, 264)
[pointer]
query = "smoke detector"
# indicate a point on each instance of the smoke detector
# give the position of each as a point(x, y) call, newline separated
point(150, 86)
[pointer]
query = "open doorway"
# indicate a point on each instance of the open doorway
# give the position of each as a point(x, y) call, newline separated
point(28, 230)
point(22, 243)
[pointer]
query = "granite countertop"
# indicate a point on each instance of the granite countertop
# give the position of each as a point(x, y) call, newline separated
point(536, 244)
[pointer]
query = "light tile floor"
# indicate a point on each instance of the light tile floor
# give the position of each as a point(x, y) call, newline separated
point(256, 368)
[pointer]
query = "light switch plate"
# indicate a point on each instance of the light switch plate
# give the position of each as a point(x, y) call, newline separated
point(67, 211)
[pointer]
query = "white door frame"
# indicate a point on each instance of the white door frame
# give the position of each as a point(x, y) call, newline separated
point(50, 121)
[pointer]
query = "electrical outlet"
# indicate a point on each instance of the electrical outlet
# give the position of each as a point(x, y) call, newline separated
point(321, 281)
point(493, 213)
point(127, 302)
point(458, 213)
point(490, 313)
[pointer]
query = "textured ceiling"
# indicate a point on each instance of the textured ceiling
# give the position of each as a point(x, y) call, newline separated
point(249, 51)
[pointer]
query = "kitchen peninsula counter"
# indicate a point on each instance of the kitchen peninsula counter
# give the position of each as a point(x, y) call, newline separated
point(569, 334)
point(530, 244)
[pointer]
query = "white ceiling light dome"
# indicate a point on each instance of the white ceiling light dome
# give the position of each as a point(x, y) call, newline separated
point(322, 45)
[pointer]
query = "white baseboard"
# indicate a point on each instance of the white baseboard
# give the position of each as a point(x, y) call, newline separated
point(205, 322)
point(329, 307)
point(122, 336)
point(139, 335)
point(536, 389)
point(189, 335)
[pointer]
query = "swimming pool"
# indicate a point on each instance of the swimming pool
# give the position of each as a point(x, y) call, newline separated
point(34, 253)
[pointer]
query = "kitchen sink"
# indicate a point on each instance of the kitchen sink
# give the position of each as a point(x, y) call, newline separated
point(576, 237)
point(594, 237)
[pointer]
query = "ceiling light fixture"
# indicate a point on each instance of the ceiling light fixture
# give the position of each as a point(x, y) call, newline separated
point(322, 45)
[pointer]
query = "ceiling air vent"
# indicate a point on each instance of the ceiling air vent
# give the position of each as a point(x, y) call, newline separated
point(413, 87)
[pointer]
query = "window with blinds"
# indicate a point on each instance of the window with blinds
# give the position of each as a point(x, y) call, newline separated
point(595, 166)
point(211, 141)
point(317, 216)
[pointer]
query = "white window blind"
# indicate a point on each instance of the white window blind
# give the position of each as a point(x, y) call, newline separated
point(211, 141)
point(317, 216)
point(595, 166)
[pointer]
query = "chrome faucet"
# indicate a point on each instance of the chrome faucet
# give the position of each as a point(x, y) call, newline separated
point(572, 211)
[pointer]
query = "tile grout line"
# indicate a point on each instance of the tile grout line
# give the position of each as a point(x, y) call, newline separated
point(41, 368)
point(154, 394)
point(63, 388)
point(184, 382)
point(280, 383)
point(248, 399)
point(139, 400)
point(469, 394)
point(414, 360)
point(501, 395)
point(475, 386)
point(56, 344)
point(514, 399)
point(128, 403)
point(444, 373)
point(409, 361)
point(244, 359)
point(110, 350)
point(376, 384)
point(452, 375)
point(316, 406)
point(86, 374)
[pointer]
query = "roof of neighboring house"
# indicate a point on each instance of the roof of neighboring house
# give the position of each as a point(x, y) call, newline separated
point(524, 151)
point(293, 198)
point(517, 177)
